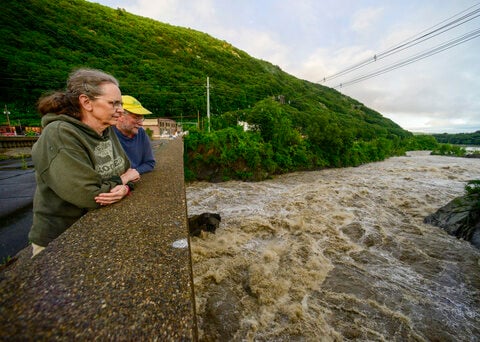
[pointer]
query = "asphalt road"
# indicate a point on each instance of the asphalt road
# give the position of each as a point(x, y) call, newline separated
point(17, 184)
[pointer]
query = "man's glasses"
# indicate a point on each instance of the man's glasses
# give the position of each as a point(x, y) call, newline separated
point(137, 118)
point(114, 104)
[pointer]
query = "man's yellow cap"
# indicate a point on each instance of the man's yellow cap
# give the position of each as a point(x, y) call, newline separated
point(132, 105)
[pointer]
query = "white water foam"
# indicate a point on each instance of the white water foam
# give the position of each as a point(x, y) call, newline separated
point(337, 254)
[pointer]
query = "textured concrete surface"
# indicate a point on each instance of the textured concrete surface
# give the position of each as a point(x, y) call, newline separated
point(122, 272)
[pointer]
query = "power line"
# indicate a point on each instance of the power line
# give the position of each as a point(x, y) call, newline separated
point(439, 48)
point(412, 41)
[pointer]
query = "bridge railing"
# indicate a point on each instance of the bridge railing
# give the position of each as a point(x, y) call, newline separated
point(16, 141)
point(122, 272)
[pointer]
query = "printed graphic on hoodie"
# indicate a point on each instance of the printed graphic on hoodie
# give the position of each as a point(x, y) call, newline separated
point(107, 164)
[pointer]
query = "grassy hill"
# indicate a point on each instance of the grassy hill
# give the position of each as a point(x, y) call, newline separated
point(166, 67)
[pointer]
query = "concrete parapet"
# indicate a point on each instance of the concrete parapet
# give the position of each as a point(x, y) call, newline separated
point(122, 272)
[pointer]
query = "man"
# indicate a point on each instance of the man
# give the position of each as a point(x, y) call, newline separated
point(133, 137)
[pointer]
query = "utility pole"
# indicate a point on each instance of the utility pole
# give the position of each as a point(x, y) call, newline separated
point(208, 103)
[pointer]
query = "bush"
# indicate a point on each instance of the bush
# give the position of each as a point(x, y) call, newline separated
point(421, 143)
point(226, 154)
point(473, 187)
point(449, 150)
point(149, 133)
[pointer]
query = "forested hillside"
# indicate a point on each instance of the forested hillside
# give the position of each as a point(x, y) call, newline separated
point(300, 124)
point(459, 138)
point(164, 66)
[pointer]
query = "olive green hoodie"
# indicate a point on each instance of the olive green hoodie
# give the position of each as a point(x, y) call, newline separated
point(73, 164)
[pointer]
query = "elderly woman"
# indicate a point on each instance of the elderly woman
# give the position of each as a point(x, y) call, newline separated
point(79, 162)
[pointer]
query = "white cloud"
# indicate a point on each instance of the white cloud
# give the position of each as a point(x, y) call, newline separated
point(187, 13)
point(260, 44)
point(365, 19)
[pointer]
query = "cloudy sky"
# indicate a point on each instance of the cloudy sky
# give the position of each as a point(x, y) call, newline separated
point(425, 54)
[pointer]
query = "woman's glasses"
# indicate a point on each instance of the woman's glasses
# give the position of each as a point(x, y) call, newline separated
point(114, 104)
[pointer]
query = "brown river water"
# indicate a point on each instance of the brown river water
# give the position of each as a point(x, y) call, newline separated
point(337, 255)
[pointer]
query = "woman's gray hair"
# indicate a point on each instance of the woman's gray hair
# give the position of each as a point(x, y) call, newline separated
point(88, 82)
point(81, 81)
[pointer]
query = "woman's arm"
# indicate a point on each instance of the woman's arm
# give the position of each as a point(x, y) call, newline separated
point(71, 176)
point(115, 195)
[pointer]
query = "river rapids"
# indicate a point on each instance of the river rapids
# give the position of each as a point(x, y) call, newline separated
point(337, 255)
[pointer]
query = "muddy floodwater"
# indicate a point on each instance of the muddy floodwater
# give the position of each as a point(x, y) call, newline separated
point(337, 255)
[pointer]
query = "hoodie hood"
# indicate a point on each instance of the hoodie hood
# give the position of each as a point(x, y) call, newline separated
point(49, 118)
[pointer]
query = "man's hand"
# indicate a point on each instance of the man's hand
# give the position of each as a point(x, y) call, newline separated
point(131, 175)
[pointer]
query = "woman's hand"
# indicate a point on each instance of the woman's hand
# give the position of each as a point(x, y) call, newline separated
point(115, 195)
point(131, 175)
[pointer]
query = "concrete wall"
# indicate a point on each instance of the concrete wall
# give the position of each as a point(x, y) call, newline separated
point(17, 141)
point(122, 272)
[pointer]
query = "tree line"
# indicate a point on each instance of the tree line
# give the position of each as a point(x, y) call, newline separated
point(459, 138)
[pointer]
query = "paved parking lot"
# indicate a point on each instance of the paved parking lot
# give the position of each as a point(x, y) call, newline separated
point(17, 184)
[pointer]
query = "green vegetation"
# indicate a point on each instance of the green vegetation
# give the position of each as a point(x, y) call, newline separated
point(453, 144)
point(24, 162)
point(31, 133)
point(449, 150)
point(295, 124)
point(473, 187)
point(459, 138)
point(21, 155)
point(149, 133)
point(277, 143)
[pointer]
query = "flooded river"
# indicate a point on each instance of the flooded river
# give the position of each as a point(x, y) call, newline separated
point(337, 255)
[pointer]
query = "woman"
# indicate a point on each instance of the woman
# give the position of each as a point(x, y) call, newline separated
point(79, 162)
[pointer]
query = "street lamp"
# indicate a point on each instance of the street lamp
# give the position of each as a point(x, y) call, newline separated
point(7, 113)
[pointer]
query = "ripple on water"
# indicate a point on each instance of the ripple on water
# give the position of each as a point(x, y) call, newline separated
point(337, 254)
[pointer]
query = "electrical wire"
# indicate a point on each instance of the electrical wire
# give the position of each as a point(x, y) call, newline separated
point(412, 41)
point(437, 49)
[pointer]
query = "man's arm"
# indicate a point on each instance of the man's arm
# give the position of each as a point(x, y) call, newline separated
point(148, 160)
